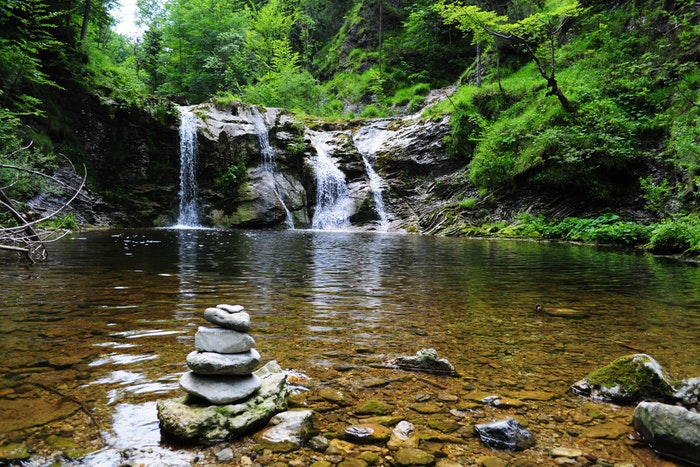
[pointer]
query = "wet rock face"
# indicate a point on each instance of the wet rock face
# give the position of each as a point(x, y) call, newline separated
point(670, 430)
point(628, 379)
point(134, 161)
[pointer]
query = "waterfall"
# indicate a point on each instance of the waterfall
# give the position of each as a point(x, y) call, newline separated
point(333, 202)
point(267, 153)
point(189, 210)
point(367, 141)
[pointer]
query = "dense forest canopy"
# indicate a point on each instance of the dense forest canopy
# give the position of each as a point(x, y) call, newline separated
point(596, 99)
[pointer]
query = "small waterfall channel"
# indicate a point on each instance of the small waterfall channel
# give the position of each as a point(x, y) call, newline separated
point(368, 140)
point(333, 202)
point(267, 153)
point(188, 215)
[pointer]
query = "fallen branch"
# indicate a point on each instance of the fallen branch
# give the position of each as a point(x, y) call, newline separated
point(83, 407)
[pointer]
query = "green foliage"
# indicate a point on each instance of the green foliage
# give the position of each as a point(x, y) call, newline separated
point(67, 221)
point(656, 195)
point(231, 179)
point(468, 204)
point(608, 228)
point(680, 235)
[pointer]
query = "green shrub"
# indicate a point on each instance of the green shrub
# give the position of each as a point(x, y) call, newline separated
point(469, 203)
point(681, 235)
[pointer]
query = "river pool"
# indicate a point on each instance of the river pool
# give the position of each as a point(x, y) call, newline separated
point(94, 336)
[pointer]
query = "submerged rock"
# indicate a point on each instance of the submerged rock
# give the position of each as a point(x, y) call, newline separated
point(367, 433)
point(670, 430)
point(186, 420)
point(505, 434)
point(628, 379)
point(425, 360)
point(413, 456)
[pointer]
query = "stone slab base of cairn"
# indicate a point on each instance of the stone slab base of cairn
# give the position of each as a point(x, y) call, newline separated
point(226, 396)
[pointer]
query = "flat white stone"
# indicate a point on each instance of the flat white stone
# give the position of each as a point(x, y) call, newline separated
point(212, 363)
point(239, 321)
point(222, 340)
point(220, 390)
point(230, 308)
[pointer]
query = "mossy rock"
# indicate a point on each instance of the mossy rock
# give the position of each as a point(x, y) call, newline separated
point(627, 380)
point(373, 407)
point(13, 452)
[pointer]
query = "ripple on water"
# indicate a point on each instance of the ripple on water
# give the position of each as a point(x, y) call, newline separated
point(135, 440)
point(122, 359)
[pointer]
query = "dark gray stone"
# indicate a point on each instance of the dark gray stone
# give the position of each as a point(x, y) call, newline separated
point(505, 434)
point(212, 363)
point(222, 340)
point(220, 389)
point(671, 430)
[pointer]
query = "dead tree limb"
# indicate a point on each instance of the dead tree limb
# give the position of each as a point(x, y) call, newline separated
point(24, 237)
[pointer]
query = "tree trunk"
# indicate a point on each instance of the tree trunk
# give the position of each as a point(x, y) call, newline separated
point(381, 33)
point(86, 19)
point(478, 65)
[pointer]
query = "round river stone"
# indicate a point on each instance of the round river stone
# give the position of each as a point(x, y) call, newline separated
point(220, 390)
point(212, 363)
point(222, 340)
point(237, 321)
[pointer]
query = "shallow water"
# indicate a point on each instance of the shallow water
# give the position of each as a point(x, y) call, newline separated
point(104, 326)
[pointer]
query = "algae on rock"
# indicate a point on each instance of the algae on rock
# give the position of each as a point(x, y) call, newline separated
point(192, 422)
point(628, 379)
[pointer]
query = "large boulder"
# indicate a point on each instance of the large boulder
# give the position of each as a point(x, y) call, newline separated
point(190, 421)
point(628, 379)
point(671, 431)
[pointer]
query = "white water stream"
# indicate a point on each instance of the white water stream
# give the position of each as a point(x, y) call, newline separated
point(188, 215)
point(368, 140)
point(267, 153)
point(333, 202)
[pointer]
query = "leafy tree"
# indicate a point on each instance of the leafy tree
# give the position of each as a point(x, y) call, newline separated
point(26, 33)
point(535, 33)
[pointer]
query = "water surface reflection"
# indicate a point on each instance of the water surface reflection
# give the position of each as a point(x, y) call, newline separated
point(109, 319)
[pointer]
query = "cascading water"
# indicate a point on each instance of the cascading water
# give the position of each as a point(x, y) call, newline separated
point(333, 202)
point(189, 208)
point(266, 151)
point(367, 141)
point(268, 158)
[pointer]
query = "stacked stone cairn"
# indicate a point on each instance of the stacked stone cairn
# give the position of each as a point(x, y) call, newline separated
point(222, 364)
